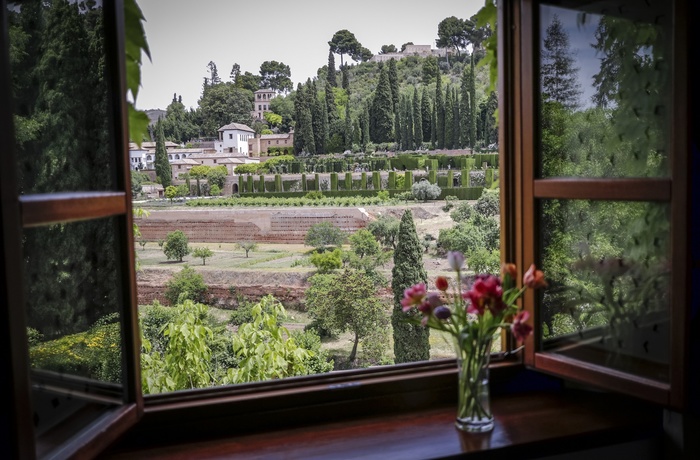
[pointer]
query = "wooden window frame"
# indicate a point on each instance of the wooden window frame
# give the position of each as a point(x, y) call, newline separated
point(521, 136)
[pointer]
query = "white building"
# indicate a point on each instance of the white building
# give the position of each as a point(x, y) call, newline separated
point(233, 138)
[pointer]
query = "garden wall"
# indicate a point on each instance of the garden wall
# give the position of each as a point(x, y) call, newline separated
point(287, 226)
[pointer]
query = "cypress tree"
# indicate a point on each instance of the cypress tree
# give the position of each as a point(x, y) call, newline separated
point(455, 118)
point(365, 127)
point(346, 79)
point(394, 83)
point(382, 113)
point(398, 129)
point(439, 114)
point(348, 127)
point(449, 117)
point(411, 341)
point(407, 123)
point(320, 129)
point(464, 121)
point(472, 103)
point(417, 120)
point(426, 114)
point(163, 170)
point(331, 78)
point(298, 117)
point(331, 106)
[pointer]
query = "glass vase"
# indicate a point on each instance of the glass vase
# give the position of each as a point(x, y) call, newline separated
point(474, 403)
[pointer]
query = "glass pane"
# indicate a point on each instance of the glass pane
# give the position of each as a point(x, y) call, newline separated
point(73, 303)
point(608, 265)
point(605, 90)
point(57, 60)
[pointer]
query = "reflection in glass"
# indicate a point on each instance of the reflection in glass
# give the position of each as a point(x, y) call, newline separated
point(57, 62)
point(608, 268)
point(72, 298)
point(72, 279)
point(605, 90)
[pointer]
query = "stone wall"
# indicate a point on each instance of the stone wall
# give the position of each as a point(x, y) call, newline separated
point(272, 225)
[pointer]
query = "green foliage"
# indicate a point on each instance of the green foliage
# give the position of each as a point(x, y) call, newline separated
point(385, 229)
point(217, 176)
point(171, 192)
point(363, 243)
point(474, 233)
point(326, 261)
point(425, 191)
point(314, 195)
point(176, 245)
point(202, 253)
point(265, 349)
point(184, 361)
point(410, 340)
point(222, 104)
point(482, 260)
point(247, 246)
point(462, 213)
point(135, 45)
point(186, 284)
point(319, 362)
point(162, 165)
point(347, 302)
point(488, 204)
point(324, 234)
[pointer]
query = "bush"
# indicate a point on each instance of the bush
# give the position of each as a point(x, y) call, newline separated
point(482, 260)
point(187, 284)
point(324, 234)
point(462, 213)
point(314, 195)
point(176, 245)
point(488, 203)
point(327, 261)
point(425, 191)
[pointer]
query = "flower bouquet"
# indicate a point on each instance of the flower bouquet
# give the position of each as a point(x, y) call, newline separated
point(472, 317)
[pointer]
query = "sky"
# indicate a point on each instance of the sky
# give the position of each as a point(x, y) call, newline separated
point(185, 35)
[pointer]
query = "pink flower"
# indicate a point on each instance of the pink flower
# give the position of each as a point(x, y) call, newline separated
point(519, 328)
point(486, 292)
point(456, 260)
point(441, 283)
point(413, 296)
point(534, 278)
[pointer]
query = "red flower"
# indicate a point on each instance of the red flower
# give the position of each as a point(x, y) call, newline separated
point(441, 283)
point(486, 292)
point(534, 278)
point(519, 328)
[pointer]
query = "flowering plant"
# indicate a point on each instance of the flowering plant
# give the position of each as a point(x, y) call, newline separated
point(472, 317)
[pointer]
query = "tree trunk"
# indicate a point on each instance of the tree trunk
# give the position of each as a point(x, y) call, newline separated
point(353, 353)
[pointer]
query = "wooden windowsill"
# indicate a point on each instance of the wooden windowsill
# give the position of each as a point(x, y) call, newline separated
point(527, 424)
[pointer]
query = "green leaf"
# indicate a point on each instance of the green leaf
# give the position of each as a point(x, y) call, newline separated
point(138, 124)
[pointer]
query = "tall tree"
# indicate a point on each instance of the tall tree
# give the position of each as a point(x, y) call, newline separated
point(411, 341)
point(303, 131)
point(426, 116)
point(449, 117)
point(464, 108)
point(319, 118)
point(382, 113)
point(472, 103)
point(223, 104)
point(344, 42)
point(439, 114)
point(214, 78)
point(417, 120)
point(430, 70)
point(235, 72)
point(276, 76)
point(248, 81)
point(364, 126)
point(348, 135)
point(346, 79)
point(456, 118)
point(394, 83)
point(452, 33)
point(331, 75)
point(163, 169)
point(559, 75)
point(331, 105)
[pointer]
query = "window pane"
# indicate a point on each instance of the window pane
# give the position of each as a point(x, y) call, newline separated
point(605, 91)
point(57, 59)
point(73, 303)
point(608, 265)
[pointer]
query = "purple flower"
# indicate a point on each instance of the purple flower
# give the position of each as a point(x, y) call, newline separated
point(456, 260)
point(442, 312)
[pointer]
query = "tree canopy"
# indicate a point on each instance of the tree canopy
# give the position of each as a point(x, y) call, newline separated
point(276, 76)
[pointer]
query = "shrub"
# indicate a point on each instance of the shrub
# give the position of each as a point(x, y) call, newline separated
point(187, 284)
point(324, 234)
point(314, 195)
point(327, 261)
point(425, 191)
point(462, 213)
point(176, 245)
point(488, 203)
point(482, 260)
